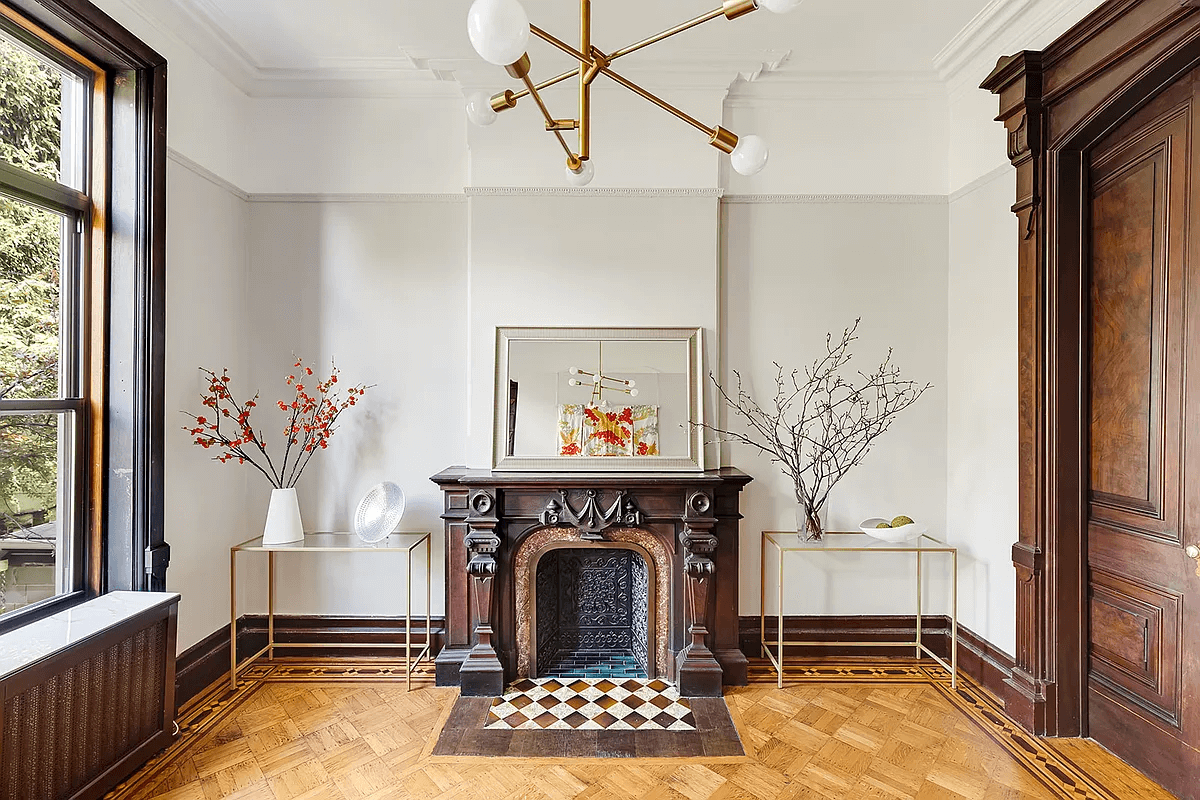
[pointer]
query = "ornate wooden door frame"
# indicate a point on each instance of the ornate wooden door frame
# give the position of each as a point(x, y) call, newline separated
point(1056, 104)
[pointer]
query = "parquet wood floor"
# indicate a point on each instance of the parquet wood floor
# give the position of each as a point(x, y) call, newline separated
point(338, 730)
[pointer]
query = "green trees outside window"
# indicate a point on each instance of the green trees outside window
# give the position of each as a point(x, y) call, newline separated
point(33, 246)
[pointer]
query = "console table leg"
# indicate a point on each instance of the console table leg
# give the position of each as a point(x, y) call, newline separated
point(919, 597)
point(232, 620)
point(408, 627)
point(954, 627)
point(271, 606)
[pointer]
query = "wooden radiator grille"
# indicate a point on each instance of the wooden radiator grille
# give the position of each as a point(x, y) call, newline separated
point(67, 730)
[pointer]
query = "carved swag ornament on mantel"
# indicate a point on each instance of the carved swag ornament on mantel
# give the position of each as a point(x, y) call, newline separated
point(591, 521)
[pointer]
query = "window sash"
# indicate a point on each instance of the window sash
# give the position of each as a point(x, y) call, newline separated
point(81, 162)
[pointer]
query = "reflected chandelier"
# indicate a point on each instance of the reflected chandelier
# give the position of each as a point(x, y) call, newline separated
point(499, 31)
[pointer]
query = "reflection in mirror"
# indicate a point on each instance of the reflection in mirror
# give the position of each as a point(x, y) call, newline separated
point(597, 398)
point(607, 399)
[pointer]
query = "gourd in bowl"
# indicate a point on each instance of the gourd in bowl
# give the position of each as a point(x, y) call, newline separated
point(882, 529)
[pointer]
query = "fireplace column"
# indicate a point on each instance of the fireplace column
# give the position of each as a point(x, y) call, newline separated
point(481, 674)
point(699, 673)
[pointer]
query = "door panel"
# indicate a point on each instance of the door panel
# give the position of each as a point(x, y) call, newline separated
point(1127, 328)
point(1144, 327)
point(1135, 643)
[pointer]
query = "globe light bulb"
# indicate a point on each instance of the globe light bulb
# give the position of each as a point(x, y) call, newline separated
point(479, 109)
point(633, 392)
point(631, 384)
point(750, 155)
point(779, 6)
point(499, 30)
point(574, 370)
point(596, 378)
point(584, 176)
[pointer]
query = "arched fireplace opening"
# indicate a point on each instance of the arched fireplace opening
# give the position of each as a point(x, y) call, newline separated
point(593, 613)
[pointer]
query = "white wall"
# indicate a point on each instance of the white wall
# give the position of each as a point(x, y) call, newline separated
point(981, 482)
point(887, 138)
point(207, 325)
point(355, 146)
point(379, 288)
point(794, 272)
point(584, 261)
point(981, 422)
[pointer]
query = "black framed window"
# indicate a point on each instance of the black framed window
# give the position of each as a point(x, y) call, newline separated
point(46, 221)
point(82, 308)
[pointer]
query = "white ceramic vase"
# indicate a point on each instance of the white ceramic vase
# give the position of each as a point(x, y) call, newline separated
point(283, 518)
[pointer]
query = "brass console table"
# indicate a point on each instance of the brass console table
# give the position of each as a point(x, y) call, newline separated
point(855, 542)
point(333, 543)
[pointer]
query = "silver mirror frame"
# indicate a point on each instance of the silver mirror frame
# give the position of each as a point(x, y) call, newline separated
point(695, 374)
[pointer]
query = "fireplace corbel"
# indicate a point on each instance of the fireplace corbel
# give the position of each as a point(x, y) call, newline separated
point(693, 519)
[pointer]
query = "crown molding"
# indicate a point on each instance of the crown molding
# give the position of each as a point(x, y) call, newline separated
point(837, 199)
point(568, 191)
point(1000, 28)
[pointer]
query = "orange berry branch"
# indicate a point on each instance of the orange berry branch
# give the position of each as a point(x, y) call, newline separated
point(310, 425)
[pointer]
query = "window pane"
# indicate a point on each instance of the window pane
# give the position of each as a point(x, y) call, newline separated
point(34, 554)
point(31, 247)
point(40, 115)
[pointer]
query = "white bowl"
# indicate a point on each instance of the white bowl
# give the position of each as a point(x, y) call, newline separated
point(905, 533)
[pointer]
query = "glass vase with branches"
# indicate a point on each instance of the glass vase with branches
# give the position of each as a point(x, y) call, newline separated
point(822, 421)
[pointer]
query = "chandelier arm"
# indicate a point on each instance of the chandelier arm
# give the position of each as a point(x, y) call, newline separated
point(557, 79)
point(537, 98)
point(663, 104)
point(658, 37)
point(561, 45)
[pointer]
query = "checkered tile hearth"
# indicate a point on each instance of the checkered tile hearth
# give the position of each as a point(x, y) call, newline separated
point(591, 705)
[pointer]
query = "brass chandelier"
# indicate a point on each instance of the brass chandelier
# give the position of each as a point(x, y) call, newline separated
point(499, 31)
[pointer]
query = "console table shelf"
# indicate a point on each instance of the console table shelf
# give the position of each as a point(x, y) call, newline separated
point(333, 543)
point(785, 542)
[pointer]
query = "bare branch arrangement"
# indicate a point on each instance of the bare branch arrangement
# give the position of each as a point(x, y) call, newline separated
point(820, 425)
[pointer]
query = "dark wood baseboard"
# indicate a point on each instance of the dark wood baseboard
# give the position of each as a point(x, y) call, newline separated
point(979, 659)
point(207, 660)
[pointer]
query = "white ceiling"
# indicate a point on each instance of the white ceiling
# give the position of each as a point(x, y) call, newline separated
point(297, 47)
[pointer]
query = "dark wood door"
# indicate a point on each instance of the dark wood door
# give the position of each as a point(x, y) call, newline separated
point(1144, 499)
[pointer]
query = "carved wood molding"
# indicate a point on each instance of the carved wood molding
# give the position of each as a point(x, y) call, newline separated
point(591, 520)
point(1099, 72)
point(482, 541)
point(697, 537)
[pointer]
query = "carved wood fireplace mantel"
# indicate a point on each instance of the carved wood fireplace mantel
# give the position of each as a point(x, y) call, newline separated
point(689, 521)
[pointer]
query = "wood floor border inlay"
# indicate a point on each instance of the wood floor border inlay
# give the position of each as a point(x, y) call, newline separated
point(346, 729)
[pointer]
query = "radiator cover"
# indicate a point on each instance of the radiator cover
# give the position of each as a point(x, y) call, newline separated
point(77, 722)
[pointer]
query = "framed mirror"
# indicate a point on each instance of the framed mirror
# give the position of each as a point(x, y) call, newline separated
point(599, 399)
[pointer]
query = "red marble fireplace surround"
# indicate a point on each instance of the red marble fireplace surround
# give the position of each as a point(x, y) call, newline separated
point(495, 520)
